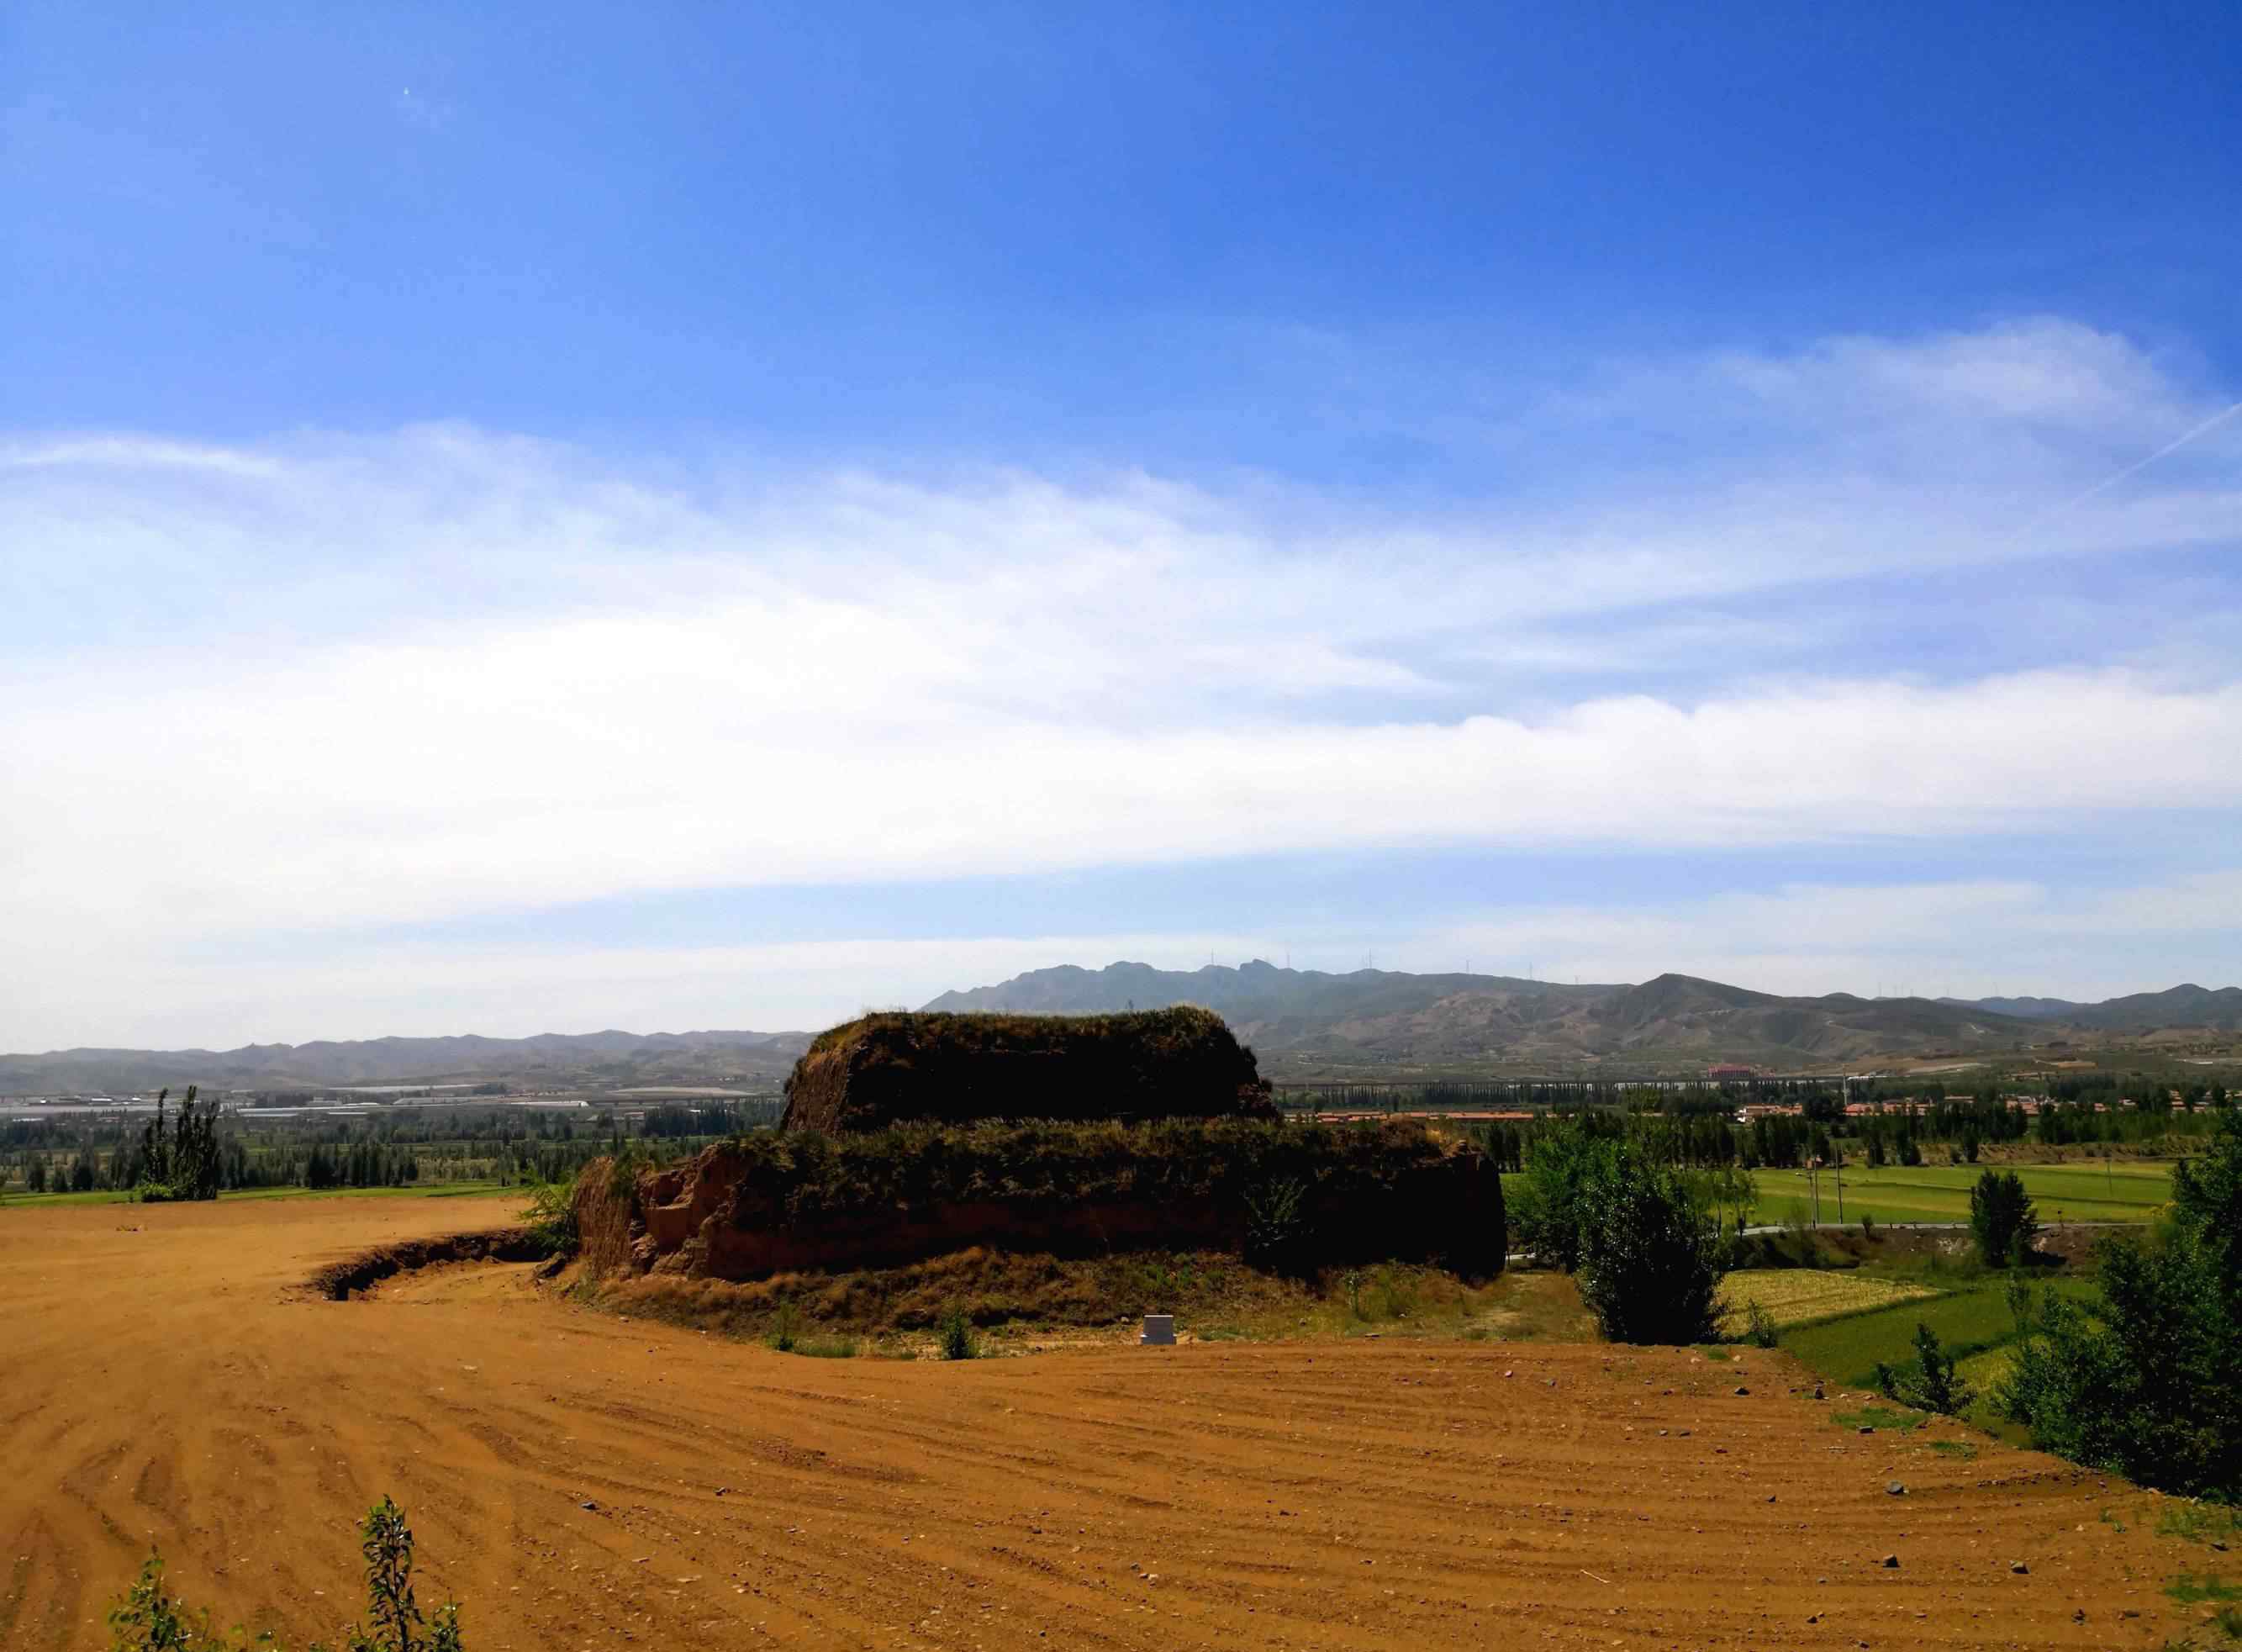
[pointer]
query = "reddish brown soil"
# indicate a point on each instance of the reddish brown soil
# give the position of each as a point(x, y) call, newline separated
point(164, 1376)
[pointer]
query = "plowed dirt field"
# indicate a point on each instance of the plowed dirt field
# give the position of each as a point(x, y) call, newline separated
point(581, 1481)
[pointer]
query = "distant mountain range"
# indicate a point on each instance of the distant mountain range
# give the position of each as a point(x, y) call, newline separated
point(1369, 1019)
point(558, 1059)
point(1365, 1023)
point(2186, 1005)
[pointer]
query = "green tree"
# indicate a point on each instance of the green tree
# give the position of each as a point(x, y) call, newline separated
point(1551, 1205)
point(179, 1156)
point(1732, 1188)
point(2002, 1218)
point(2144, 1383)
point(1929, 1384)
point(1651, 1255)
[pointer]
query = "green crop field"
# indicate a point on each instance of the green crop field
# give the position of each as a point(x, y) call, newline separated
point(2127, 1192)
point(1973, 1323)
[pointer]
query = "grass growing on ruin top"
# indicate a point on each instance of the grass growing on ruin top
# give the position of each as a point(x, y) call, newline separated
point(897, 1065)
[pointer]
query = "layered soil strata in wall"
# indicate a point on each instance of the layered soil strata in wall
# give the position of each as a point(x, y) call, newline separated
point(881, 1069)
point(1295, 1196)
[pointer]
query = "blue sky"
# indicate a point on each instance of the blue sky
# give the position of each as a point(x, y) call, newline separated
point(517, 518)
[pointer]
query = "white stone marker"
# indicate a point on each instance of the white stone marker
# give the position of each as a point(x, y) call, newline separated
point(1159, 1331)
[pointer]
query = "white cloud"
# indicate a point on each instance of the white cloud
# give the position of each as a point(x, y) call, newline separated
point(353, 680)
point(2040, 370)
point(787, 740)
point(135, 453)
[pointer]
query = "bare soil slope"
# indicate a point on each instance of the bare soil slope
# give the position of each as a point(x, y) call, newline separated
point(165, 1376)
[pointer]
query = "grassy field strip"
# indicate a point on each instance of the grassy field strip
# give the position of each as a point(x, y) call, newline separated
point(425, 1190)
point(1802, 1296)
point(2149, 1192)
point(1941, 1193)
point(1971, 1322)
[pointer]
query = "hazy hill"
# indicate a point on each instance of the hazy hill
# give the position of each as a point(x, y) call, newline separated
point(1368, 1019)
point(2186, 1005)
point(2025, 1009)
point(1363, 1023)
point(1252, 991)
point(610, 1058)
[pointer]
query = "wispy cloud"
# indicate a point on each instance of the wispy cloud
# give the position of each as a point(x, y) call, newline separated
point(335, 681)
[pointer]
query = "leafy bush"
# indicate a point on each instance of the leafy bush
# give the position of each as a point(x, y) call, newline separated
point(1759, 1324)
point(2002, 1218)
point(148, 1617)
point(957, 1340)
point(552, 1218)
point(1929, 1385)
point(394, 1616)
point(786, 1328)
point(1650, 1255)
point(2144, 1383)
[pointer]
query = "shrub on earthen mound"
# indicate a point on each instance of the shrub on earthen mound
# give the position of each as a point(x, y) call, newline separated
point(882, 1070)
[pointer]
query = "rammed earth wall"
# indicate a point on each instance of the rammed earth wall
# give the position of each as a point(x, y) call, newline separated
point(790, 1201)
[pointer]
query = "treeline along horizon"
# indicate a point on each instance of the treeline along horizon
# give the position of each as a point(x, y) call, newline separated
point(1682, 1130)
point(408, 1147)
point(509, 1144)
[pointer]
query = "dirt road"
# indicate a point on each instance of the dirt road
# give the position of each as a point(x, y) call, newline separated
point(161, 1378)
